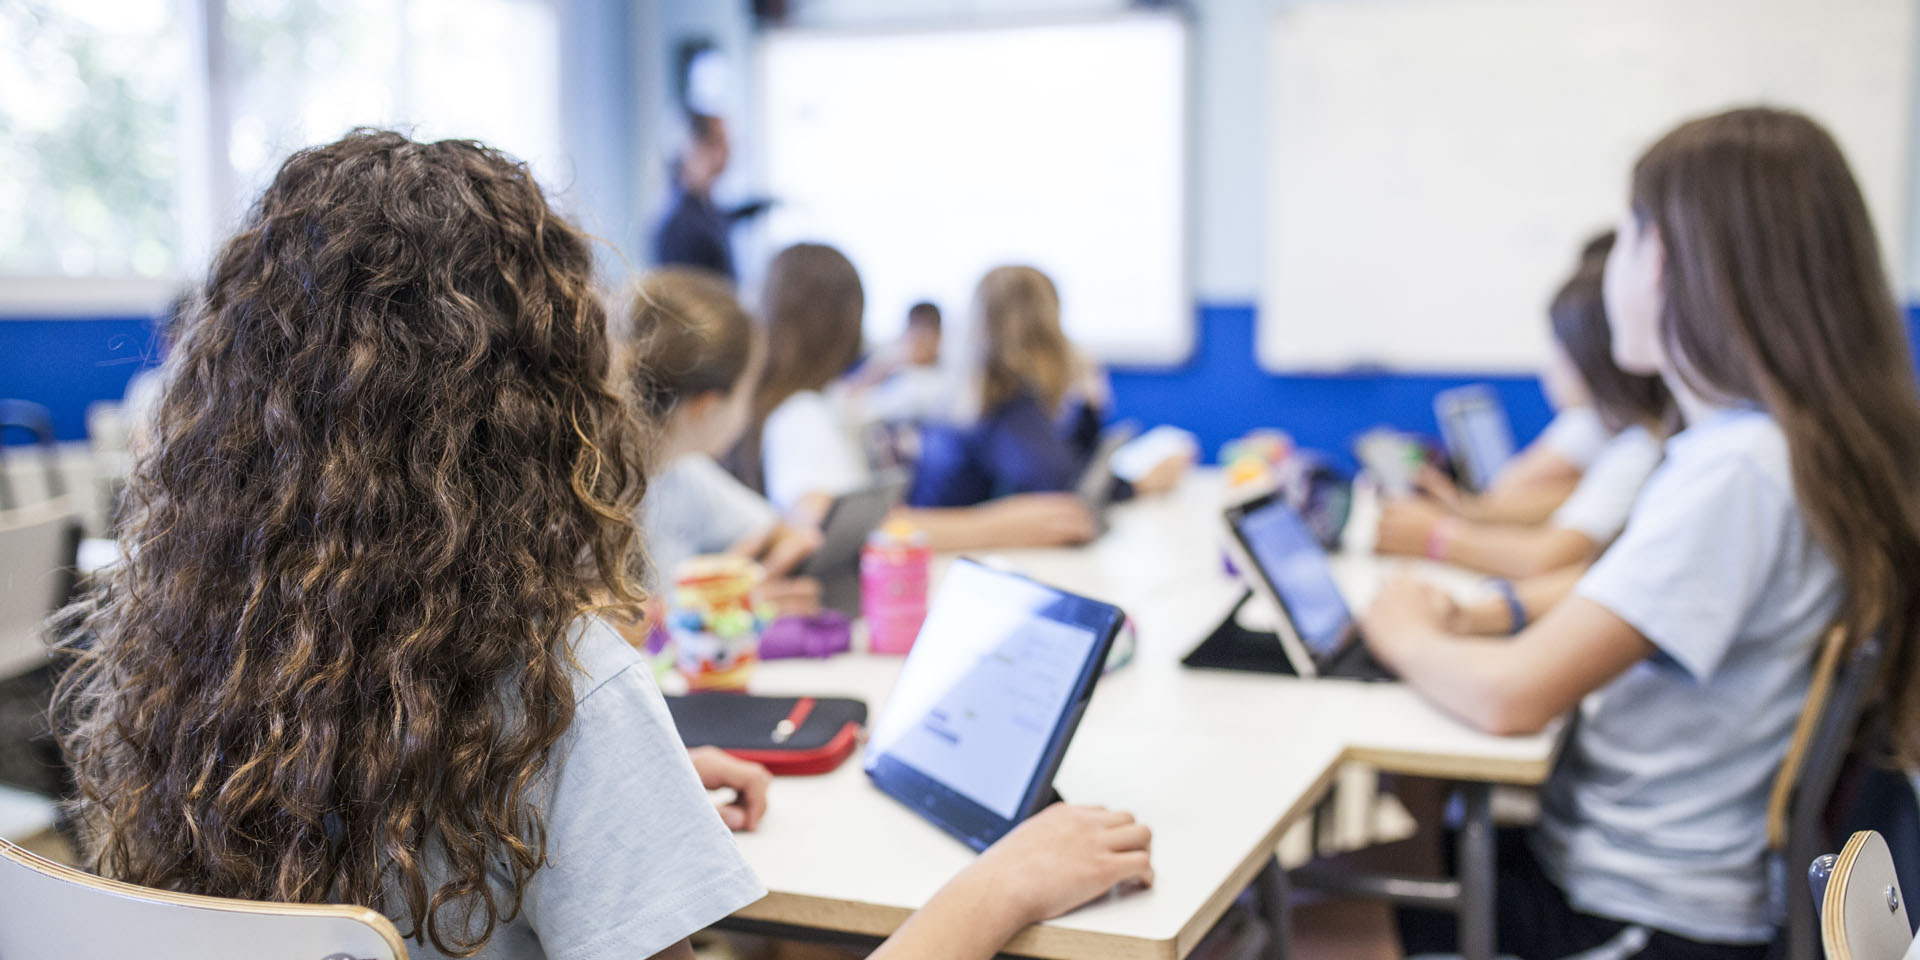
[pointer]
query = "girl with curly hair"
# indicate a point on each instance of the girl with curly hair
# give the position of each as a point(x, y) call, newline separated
point(353, 653)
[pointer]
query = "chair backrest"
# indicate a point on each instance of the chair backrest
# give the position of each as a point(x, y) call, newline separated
point(1843, 679)
point(37, 547)
point(1863, 914)
point(36, 420)
point(49, 910)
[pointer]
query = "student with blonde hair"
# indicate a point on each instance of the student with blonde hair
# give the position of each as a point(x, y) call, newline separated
point(1033, 417)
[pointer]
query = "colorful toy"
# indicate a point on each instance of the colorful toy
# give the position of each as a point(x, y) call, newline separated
point(1251, 460)
point(716, 621)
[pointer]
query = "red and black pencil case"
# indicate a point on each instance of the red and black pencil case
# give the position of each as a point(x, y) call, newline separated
point(790, 736)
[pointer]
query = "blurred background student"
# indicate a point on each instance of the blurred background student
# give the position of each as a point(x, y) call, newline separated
point(1634, 413)
point(1035, 404)
point(693, 356)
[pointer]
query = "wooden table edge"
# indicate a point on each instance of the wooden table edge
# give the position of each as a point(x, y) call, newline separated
point(1049, 941)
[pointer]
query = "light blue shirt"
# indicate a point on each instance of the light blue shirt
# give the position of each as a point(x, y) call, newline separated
point(1657, 813)
point(1599, 507)
point(637, 856)
point(693, 507)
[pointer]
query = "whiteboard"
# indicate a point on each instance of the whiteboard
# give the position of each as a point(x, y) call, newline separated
point(1435, 164)
point(930, 157)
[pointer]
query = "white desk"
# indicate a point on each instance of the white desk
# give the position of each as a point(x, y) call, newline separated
point(1219, 764)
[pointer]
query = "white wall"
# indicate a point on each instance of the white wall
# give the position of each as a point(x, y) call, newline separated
point(1229, 113)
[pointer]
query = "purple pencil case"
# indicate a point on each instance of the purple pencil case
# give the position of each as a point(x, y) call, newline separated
point(821, 635)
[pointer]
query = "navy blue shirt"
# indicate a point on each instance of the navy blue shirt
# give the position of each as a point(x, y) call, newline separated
point(696, 234)
point(1015, 449)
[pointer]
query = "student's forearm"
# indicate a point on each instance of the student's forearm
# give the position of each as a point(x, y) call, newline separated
point(1521, 503)
point(1469, 678)
point(952, 529)
point(1490, 615)
point(1516, 685)
point(964, 921)
point(1544, 592)
point(1514, 553)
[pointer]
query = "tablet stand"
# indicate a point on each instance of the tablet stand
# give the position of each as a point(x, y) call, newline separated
point(1233, 647)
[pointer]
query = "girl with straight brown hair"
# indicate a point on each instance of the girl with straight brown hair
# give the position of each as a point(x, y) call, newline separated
point(799, 447)
point(353, 655)
point(1747, 274)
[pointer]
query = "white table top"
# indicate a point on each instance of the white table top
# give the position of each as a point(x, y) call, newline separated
point(1218, 763)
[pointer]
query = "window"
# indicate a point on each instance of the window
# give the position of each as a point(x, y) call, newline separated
point(90, 137)
point(123, 138)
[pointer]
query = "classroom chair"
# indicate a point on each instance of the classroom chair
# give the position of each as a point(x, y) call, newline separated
point(1803, 791)
point(36, 420)
point(48, 910)
point(1863, 914)
point(37, 548)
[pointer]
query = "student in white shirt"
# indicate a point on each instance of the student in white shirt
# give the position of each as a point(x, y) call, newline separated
point(693, 355)
point(1634, 409)
point(355, 657)
point(1580, 382)
point(799, 445)
point(1747, 273)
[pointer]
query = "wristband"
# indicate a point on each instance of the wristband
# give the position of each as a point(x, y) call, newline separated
point(1516, 613)
point(1439, 535)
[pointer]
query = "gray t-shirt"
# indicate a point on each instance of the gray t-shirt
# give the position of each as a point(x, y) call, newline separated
point(638, 858)
point(1657, 813)
point(694, 506)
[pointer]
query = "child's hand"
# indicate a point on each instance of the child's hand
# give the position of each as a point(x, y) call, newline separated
point(1436, 484)
point(794, 597)
point(1063, 857)
point(779, 548)
point(1406, 527)
point(719, 770)
point(1405, 610)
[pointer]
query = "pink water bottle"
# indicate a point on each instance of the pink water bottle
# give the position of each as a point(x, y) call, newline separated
point(893, 586)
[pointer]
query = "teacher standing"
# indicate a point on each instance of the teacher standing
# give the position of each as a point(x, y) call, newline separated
point(696, 233)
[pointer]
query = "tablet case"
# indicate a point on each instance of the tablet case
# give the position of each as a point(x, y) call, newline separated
point(1233, 647)
point(790, 736)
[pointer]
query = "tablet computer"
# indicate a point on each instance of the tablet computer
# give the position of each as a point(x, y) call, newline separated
point(1096, 481)
point(985, 706)
point(842, 535)
point(1283, 564)
point(1479, 436)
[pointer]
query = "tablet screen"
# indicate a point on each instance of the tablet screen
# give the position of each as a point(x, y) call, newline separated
point(981, 702)
point(1489, 446)
point(1296, 567)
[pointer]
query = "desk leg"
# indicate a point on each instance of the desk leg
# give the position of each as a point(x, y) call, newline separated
point(1475, 870)
point(1270, 889)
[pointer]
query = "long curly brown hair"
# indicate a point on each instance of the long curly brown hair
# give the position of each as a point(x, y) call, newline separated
point(389, 475)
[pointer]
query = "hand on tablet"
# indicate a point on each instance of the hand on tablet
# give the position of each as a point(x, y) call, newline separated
point(1065, 856)
point(748, 781)
point(779, 548)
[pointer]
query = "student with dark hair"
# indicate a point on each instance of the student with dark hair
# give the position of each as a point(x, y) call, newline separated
point(1635, 409)
point(1540, 478)
point(354, 654)
point(1747, 275)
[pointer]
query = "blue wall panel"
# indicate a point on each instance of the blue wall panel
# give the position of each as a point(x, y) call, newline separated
point(1222, 393)
point(65, 363)
point(1219, 394)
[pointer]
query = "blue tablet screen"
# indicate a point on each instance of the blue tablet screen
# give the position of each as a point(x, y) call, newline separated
point(1296, 567)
